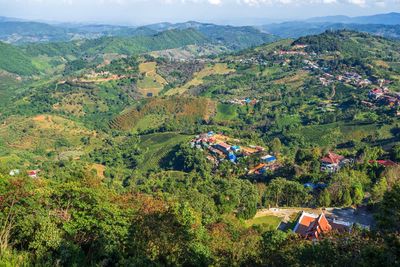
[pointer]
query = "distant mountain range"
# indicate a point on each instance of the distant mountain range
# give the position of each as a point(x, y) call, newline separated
point(385, 19)
point(386, 25)
point(17, 31)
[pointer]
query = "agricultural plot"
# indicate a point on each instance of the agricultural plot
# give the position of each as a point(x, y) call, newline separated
point(324, 135)
point(217, 69)
point(157, 146)
point(151, 83)
point(45, 135)
point(294, 81)
point(148, 122)
point(155, 111)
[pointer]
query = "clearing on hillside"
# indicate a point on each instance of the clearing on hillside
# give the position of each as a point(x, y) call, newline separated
point(151, 82)
point(217, 69)
point(43, 136)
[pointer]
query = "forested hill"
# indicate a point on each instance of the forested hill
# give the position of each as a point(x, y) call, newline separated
point(134, 45)
point(120, 45)
point(14, 60)
point(350, 43)
point(302, 28)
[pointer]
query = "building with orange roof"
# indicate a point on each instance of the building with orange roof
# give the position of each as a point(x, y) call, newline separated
point(312, 226)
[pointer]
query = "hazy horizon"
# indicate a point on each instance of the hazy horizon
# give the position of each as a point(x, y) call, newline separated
point(237, 12)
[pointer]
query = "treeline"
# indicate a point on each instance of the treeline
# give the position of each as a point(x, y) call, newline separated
point(78, 220)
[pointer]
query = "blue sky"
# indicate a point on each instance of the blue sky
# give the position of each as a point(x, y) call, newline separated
point(138, 12)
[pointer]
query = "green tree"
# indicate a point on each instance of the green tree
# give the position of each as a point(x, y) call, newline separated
point(388, 215)
point(358, 194)
point(346, 198)
point(276, 145)
point(395, 152)
point(378, 190)
point(324, 199)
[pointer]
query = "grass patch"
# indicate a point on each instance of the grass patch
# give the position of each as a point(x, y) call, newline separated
point(267, 222)
point(148, 122)
point(226, 112)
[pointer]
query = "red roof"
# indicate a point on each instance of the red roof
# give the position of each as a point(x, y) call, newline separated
point(311, 226)
point(377, 91)
point(318, 226)
point(224, 145)
point(332, 158)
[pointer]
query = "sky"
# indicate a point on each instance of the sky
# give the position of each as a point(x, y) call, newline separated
point(238, 12)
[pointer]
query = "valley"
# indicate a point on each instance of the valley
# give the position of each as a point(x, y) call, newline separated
point(195, 144)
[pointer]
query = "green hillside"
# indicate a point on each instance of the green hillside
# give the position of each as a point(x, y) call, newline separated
point(14, 60)
point(115, 156)
point(120, 45)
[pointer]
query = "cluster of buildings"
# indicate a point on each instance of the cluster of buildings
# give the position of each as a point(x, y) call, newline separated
point(352, 78)
point(384, 96)
point(332, 162)
point(243, 102)
point(222, 147)
point(250, 60)
point(291, 53)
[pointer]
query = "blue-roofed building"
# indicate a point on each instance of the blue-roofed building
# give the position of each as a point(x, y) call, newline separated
point(235, 148)
point(232, 157)
point(268, 159)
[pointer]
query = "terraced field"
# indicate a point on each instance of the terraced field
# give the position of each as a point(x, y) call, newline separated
point(157, 146)
point(155, 111)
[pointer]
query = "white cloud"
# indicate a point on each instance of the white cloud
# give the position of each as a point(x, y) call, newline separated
point(215, 2)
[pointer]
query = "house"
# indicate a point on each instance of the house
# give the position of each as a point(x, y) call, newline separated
point(224, 147)
point(217, 152)
point(33, 173)
point(259, 169)
point(232, 157)
point(235, 148)
point(268, 159)
point(247, 151)
point(376, 93)
point(332, 162)
point(312, 226)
